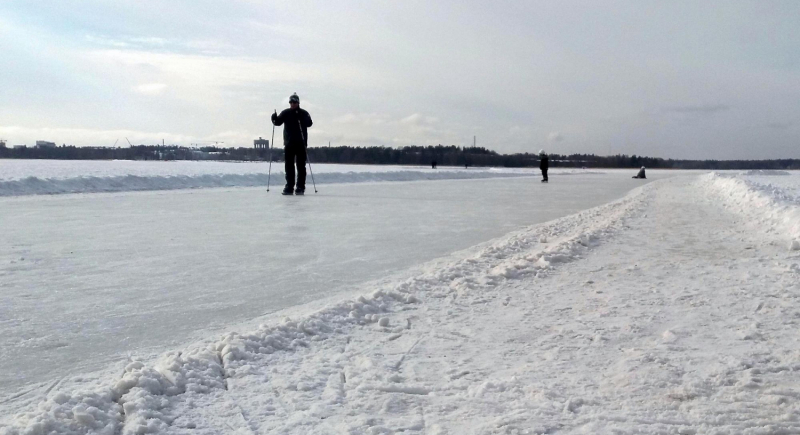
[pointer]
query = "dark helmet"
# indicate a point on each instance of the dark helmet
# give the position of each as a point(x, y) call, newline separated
point(294, 98)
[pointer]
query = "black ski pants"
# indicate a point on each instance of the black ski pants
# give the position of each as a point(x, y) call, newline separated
point(295, 154)
point(544, 174)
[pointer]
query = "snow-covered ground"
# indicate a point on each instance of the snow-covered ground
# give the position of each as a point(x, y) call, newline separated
point(32, 177)
point(671, 310)
point(769, 199)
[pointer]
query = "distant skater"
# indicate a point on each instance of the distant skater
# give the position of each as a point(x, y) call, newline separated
point(433, 164)
point(295, 123)
point(544, 164)
point(640, 174)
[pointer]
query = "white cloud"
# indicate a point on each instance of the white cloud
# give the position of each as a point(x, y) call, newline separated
point(209, 46)
point(151, 88)
point(205, 72)
point(105, 41)
point(151, 41)
point(420, 120)
point(362, 119)
point(90, 137)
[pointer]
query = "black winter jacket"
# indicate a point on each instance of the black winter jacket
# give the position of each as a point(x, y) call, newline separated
point(291, 131)
point(544, 163)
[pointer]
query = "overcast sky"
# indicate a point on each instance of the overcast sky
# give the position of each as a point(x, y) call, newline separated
point(681, 79)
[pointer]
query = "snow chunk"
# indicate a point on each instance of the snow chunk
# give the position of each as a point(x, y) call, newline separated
point(669, 336)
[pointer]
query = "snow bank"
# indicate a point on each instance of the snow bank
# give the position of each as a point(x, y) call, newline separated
point(147, 397)
point(765, 172)
point(38, 177)
point(37, 186)
point(770, 207)
point(50, 186)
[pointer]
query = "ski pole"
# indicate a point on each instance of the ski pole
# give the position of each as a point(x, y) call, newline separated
point(271, 144)
point(305, 149)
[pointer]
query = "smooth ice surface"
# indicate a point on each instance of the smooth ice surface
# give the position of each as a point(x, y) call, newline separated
point(88, 279)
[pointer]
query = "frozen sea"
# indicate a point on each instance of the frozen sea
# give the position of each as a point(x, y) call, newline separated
point(473, 302)
point(92, 279)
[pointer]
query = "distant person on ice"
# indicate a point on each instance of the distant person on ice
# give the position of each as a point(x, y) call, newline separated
point(544, 164)
point(295, 122)
point(640, 174)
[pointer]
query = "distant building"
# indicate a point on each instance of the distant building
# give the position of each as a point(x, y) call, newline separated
point(261, 144)
point(45, 144)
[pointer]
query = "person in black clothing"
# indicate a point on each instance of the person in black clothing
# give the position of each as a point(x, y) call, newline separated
point(295, 122)
point(640, 174)
point(544, 164)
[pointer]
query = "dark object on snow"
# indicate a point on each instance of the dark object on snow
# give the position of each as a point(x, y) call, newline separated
point(433, 164)
point(295, 123)
point(640, 174)
point(544, 164)
point(269, 172)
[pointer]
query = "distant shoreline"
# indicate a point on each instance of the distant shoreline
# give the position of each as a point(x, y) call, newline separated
point(412, 155)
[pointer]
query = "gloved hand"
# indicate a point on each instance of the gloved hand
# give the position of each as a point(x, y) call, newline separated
point(274, 117)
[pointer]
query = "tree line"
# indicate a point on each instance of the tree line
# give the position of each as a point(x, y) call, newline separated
point(379, 155)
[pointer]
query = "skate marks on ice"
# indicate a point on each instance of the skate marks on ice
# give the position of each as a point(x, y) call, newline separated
point(275, 377)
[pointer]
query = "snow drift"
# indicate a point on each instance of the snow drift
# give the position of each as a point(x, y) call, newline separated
point(48, 177)
point(766, 172)
point(770, 207)
point(37, 186)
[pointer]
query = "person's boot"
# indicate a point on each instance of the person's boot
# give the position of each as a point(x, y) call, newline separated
point(299, 192)
point(287, 191)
